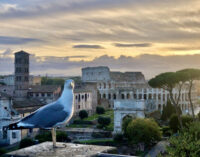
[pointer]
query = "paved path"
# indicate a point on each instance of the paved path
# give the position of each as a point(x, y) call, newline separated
point(159, 147)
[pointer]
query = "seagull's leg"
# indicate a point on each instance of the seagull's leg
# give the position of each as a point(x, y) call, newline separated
point(54, 137)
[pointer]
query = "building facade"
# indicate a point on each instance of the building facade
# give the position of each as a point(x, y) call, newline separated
point(7, 116)
point(133, 86)
point(82, 101)
point(45, 93)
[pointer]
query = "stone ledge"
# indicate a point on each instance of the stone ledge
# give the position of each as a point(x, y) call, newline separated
point(64, 150)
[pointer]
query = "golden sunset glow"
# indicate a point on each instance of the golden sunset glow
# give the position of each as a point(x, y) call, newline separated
point(84, 30)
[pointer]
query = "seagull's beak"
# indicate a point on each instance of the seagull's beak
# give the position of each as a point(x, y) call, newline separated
point(72, 85)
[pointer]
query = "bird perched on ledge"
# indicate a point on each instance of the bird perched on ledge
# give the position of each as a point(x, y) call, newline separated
point(51, 115)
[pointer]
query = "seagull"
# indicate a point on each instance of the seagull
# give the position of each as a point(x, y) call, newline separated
point(52, 115)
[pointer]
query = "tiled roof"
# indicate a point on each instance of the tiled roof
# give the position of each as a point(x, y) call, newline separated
point(26, 103)
point(43, 88)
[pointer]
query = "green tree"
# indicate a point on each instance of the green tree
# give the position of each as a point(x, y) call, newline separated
point(104, 121)
point(190, 75)
point(125, 123)
point(144, 131)
point(170, 81)
point(83, 114)
point(187, 143)
point(168, 110)
point(174, 123)
point(100, 110)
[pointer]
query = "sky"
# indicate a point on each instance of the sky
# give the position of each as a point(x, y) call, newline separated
point(151, 36)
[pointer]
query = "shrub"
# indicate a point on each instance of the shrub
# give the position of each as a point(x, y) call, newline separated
point(26, 143)
point(100, 110)
point(61, 136)
point(118, 137)
point(186, 143)
point(174, 123)
point(85, 122)
point(125, 123)
point(104, 121)
point(44, 136)
point(166, 131)
point(186, 120)
point(83, 114)
point(2, 151)
point(144, 131)
point(168, 110)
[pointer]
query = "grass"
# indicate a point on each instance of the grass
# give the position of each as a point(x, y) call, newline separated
point(108, 113)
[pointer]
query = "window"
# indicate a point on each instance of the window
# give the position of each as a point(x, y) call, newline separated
point(109, 96)
point(114, 96)
point(4, 134)
point(48, 94)
point(104, 96)
point(85, 97)
point(82, 96)
point(128, 96)
point(37, 94)
point(79, 97)
point(122, 96)
point(76, 97)
point(43, 94)
point(14, 135)
point(104, 85)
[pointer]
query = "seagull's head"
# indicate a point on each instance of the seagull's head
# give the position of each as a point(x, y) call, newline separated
point(69, 84)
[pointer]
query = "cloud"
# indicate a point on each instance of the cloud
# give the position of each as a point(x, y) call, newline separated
point(8, 40)
point(7, 52)
point(133, 45)
point(88, 47)
point(150, 65)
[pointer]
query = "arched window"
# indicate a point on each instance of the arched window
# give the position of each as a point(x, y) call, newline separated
point(122, 96)
point(104, 85)
point(150, 96)
point(114, 96)
point(159, 107)
point(145, 96)
point(140, 96)
point(109, 96)
point(128, 96)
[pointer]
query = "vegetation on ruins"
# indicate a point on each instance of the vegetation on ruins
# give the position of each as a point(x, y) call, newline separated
point(186, 143)
point(83, 114)
point(144, 131)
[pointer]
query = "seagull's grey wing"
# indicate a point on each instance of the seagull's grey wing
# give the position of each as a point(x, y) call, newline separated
point(47, 117)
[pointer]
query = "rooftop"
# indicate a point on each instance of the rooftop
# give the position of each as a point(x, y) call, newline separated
point(43, 88)
point(127, 76)
point(63, 150)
